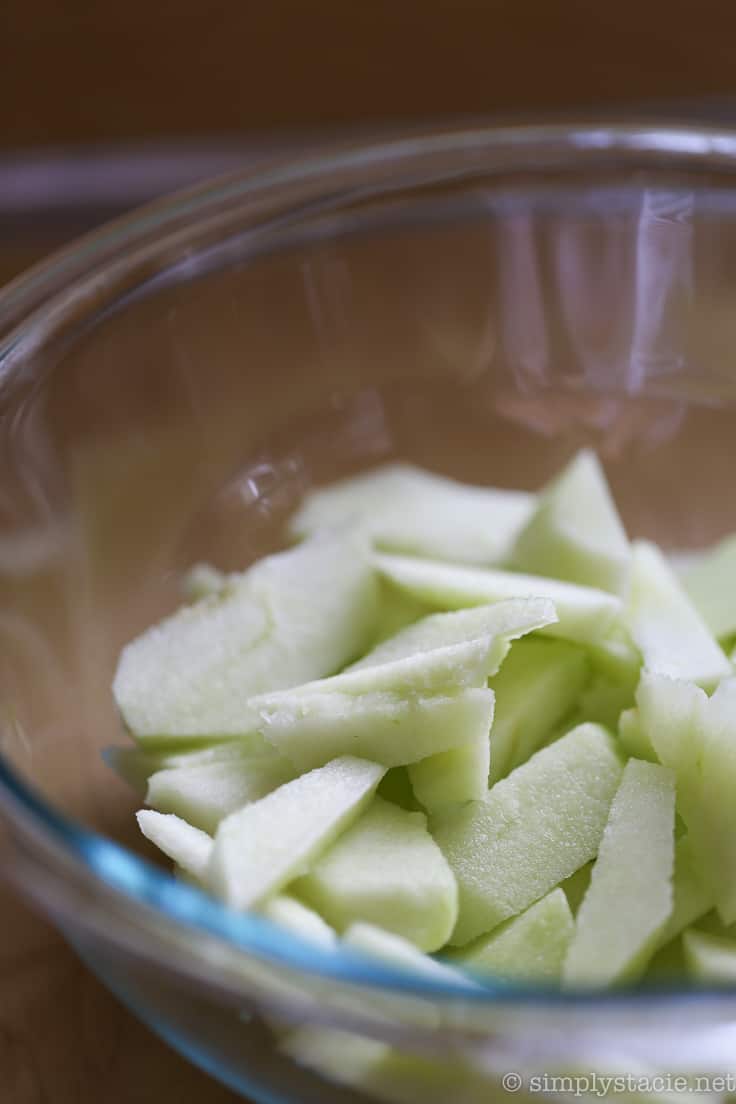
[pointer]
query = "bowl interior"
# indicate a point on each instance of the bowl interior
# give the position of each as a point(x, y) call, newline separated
point(484, 325)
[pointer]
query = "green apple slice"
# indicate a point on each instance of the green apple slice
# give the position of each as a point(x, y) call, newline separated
point(202, 581)
point(584, 615)
point(389, 728)
point(460, 774)
point(670, 633)
point(630, 897)
point(394, 950)
point(205, 794)
point(293, 915)
point(188, 847)
point(575, 533)
point(294, 616)
point(710, 958)
point(696, 737)
point(534, 829)
point(530, 947)
point(500, 623)
point(406, 509)
point(388, 871)
point(400, 704)
point(378, 1071)
point(632, 737)
point(691, 897)
point(709, 581)
point(537, 686)
point(261, 848)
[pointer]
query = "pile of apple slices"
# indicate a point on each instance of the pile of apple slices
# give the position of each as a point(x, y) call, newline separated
point(455, 719)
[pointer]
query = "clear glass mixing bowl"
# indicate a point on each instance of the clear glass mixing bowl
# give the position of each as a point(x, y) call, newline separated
point(482, 302)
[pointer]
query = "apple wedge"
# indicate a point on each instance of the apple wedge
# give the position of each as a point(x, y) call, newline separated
point(385, 870)
point(696, 736)
point(709, 581)
point(205, 794)
point(670, 633)
point(534, 829)
point(294, 616)
point(262, 847)
point(530, 947)
point(409, 698)
point(188, 847)
point(584, 615)
point(630, 896)
point(537, 686)
point(405, 509)
point(575, 533)
point(300, 920)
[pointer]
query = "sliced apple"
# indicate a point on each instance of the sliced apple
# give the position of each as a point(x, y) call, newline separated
point(205, 794)
point(294, 616)
point(297, 918)
point(534, 829)
point(670, 633)
point(696, 737)
point(262, 847)
point(188, 847)
point(575, 533)
point(406, 509)
point(630, 897)
point(388, 871)
point(537, 686)
point(584, 615)
point(530, 947)
point(709, 581)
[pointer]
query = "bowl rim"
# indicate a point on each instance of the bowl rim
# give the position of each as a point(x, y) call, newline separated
point(116, 873)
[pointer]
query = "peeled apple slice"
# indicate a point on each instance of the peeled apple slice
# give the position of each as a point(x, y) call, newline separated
point(394, 706)
point(188, 847)
point(294, 616)
point(201, 581)
point(710, 958)
point(696, 737)
point(710, 585)
point(406, 509)
point(534, 829)
point(300, 920)
point(530, 947)
point(585, 615)
point(670, 633)
point(460, 774)
point(499, 623)
point(381, 1072)
point(388, 871)
point(632, 737)
point(536, 687)
point(261, 848)
point(207, 793)
point(389, 728)
point(691, 897)
point(630, 897)
point(394, 950)
point(575, 533)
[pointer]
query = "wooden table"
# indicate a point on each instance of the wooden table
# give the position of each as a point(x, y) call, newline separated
point(65, 1040)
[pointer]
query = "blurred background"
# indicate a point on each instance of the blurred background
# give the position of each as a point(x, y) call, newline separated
point(103, 106)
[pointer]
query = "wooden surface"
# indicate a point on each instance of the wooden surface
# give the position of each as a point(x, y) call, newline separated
point(80, 72)
point(65, 1040)
point(72, 70)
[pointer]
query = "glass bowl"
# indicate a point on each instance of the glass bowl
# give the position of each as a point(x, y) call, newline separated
point(482, 302)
